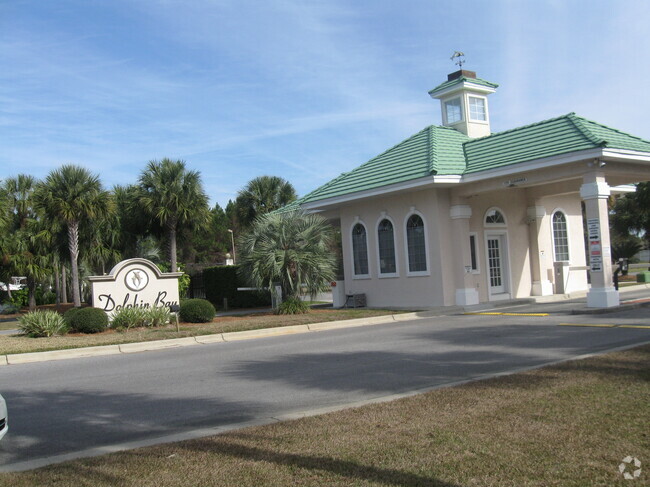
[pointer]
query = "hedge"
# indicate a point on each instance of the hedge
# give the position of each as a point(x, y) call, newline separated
point(222, 282)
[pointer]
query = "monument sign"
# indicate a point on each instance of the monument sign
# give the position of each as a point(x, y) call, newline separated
point(134, 283)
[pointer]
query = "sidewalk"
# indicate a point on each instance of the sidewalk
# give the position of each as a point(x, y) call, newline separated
point(631, 298)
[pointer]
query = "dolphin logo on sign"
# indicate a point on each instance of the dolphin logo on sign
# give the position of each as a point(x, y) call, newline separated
point(136, 279)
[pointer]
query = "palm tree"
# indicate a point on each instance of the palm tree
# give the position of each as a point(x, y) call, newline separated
point(73, 196)
point(18, 192)
point(291, 248)
point(26, 240)
point(174, 197)
point(262, 195)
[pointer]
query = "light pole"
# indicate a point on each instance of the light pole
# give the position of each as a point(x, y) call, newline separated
point(232, 238)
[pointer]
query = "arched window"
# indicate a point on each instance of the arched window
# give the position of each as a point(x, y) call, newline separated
point(360, 250)
point(417, 253)
point(560, 236)
point(386, 241)
point(494, 217)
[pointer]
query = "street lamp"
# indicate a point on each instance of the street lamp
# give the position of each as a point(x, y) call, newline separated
point(232, 238)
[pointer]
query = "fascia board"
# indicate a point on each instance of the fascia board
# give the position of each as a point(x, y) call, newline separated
point(626, 155)
point(460, 87)
point(335, 200)
point(510, 169)
point(521, 167)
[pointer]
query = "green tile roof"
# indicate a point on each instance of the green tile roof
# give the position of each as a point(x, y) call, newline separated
point(459, 80)
point(445, 151)
point(554, 137)
point(434, 150)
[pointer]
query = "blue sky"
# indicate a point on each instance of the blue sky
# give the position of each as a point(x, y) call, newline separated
point(300, 89)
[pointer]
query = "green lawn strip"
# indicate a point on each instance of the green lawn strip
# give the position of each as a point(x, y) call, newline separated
point(565, 425)
point(19, 344)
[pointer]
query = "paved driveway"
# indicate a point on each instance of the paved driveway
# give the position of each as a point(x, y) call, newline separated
point(87, 406)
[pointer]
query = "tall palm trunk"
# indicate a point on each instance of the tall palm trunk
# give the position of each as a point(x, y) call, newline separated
point(73, 244)
point(171, 227)
point(31, 288)
point(64, 285)
point(57, 284)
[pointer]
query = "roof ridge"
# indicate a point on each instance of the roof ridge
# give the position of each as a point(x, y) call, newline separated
point(432, 152)
point(522, 127)
point(577, 122)
point(627, 134)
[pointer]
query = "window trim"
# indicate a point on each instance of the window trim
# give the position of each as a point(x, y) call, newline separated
point(485, 106)
point(426, 272)
point(444, 110)
point(474, 235)
point(365, 227)
point(568, 239)
point(495, 225)
point(384, 275)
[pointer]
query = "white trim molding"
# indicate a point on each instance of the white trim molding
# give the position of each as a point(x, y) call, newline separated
point(596, 190)
point(460, 212)
point(602, 297)
point(467, 297)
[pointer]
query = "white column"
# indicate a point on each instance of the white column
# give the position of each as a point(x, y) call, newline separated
point(595, 192)
point(541, 286)
point(466, 293)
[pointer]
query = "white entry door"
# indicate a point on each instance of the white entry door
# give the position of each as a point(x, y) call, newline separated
point(496, 259)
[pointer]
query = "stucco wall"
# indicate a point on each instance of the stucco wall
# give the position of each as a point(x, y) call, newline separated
point(571, 207)
point(403, 290)
point(512, 204)
point(438, 287)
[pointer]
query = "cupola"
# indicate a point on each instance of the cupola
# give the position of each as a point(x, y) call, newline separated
point(464, 104)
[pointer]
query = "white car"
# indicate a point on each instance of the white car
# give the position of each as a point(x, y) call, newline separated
point(4, 425)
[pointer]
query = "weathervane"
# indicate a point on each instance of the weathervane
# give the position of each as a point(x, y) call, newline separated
point(460, 56)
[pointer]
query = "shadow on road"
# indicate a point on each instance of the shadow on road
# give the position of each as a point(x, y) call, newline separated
point(47, 424)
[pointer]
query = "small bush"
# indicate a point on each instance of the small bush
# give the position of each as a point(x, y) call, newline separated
point(158, 316)
point(42, 324)
point(89, 320)
point(140, 317)
point(8, 309)
point(20, 298)
point(67, 316)
point(130, 318)
point(197, 311)
point(292, 306)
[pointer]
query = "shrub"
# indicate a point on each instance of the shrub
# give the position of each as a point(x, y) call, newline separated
point(44, 296)
point(139, 317)
point(130, 318)
point(222, 282)
point(67, 316)
point(42, 324)
point(158, 316)
point(197, 311)
point(8, 309)
point(89, 320)
point(292, 306)
point(20, 297)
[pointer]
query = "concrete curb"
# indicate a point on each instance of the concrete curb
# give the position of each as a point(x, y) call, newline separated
point(602, 311)
point(24, 358)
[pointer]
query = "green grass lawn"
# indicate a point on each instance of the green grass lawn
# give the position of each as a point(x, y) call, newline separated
point(566, 425)
point(20, 344)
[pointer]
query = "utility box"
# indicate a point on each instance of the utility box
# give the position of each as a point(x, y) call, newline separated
point(561, 276)
point(643, 277)
point(338, 294)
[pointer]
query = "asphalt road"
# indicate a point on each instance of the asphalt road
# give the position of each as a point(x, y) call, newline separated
point(86, 406)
